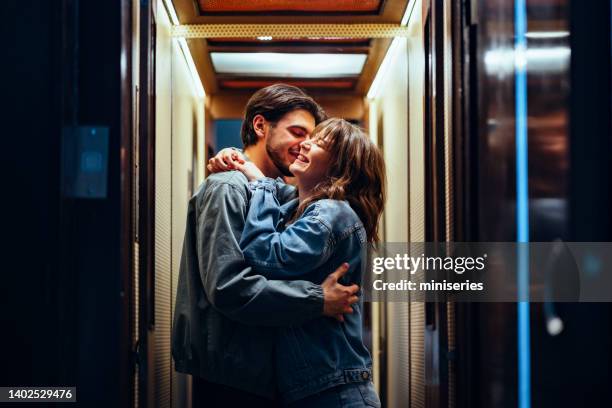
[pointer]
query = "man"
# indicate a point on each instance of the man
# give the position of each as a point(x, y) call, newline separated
point(224, 315)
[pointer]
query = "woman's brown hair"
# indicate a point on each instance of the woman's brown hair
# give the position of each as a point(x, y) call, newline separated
point(356, 173)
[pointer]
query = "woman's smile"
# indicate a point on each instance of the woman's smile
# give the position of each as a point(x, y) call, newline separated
point(311, 164)
point(302, 158)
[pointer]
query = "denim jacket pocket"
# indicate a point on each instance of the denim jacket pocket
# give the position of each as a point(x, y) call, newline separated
point(369, 394)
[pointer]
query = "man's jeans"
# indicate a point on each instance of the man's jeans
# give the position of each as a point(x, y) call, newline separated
point(352, 395)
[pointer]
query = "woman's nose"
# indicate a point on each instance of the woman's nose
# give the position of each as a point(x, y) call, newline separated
point(306, 144)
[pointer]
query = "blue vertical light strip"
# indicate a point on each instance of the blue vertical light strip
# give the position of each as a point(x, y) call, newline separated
point(522, 205)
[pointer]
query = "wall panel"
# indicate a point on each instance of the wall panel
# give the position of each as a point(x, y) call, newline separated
point(393, 116)
point(161, 382)
point(416, 92)
point(179, 144)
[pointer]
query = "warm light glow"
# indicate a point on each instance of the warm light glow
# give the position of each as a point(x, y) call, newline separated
point(384, 68)
point(389, 56)
point(407, 13)
point(265, 38)
point(270, 64)
point(192, 68)
point(195, 77)
point(171, 12)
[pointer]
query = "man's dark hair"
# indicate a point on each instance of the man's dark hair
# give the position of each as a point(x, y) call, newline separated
point(273, 102)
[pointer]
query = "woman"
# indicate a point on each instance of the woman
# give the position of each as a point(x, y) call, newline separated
point(340, 180)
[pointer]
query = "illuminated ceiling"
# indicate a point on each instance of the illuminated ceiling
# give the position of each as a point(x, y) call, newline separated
point(320, 64)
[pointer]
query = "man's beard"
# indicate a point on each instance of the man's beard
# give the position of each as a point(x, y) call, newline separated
point(276, 158)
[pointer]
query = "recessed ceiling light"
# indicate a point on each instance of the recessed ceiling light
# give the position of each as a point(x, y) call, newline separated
point(265, 38)
point(274, 64)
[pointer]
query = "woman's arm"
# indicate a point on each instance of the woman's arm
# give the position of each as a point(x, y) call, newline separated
point(227, 159)
point(290, 254)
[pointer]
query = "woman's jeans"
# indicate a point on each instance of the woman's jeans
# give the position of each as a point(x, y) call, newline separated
point(352, 395)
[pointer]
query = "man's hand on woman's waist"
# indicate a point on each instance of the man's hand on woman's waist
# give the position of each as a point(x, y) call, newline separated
point(337, 297)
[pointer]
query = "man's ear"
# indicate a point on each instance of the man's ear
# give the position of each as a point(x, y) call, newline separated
point(259, 126)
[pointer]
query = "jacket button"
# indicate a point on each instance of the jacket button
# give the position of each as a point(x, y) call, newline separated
point(365, 375)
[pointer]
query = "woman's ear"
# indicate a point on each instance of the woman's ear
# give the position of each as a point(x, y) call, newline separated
point(259, 126)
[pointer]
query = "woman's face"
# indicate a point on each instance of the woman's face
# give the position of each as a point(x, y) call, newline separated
point(312, 163)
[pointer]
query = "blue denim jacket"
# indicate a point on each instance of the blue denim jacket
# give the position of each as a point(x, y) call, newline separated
point(320, 353)
point(222, 308)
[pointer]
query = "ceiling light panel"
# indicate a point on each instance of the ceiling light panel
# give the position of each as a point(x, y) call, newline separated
point(288, 65)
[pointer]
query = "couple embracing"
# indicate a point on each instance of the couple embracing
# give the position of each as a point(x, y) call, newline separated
point(267, 310)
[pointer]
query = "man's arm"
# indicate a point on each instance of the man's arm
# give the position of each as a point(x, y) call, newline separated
point(229, 282)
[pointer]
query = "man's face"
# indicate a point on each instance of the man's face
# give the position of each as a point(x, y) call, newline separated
point(283, 140)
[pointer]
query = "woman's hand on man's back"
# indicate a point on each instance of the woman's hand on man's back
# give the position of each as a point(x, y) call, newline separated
point(227, 159)
point(250, 170)
point(232, 159)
